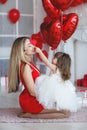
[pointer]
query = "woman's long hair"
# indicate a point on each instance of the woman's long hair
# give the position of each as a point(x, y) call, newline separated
point(16, 56)
point(63, 64)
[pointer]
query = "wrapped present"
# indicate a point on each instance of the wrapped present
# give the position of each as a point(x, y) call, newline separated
point(85, 76)
point(82, 93)
point(85, 93)
point(79, 82)
point(84, 83)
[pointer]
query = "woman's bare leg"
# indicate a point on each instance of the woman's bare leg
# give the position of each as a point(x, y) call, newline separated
point(44, 112)
point(47, 114)
point(58, 115)
point(54, 111)
point(49, 111)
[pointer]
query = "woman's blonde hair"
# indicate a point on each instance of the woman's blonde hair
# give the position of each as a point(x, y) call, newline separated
point(63, 64)
point(16, 56)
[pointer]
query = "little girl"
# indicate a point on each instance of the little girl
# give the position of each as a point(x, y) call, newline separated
point(56, 90)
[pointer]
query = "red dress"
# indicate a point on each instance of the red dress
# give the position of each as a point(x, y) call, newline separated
point(27, 102)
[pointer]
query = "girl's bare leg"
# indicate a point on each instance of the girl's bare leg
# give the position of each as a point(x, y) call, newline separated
point(47, 114)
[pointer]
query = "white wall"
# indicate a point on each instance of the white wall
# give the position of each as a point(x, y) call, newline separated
point(80, 59)
point(69, 48)
point(40, 14)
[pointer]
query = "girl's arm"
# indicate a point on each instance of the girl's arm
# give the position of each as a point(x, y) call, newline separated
point(28, 79)
point(45, 60)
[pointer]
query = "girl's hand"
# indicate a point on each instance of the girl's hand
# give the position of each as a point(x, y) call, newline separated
point(37, 50)
point(54, 68)
point(45, 60)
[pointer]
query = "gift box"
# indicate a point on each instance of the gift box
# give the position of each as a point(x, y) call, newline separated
point(85, 76)
point(84, 83)
point(82, 93)
point(79, 82)
point(85, 93)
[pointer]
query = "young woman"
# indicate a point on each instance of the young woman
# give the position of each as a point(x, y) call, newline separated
point(21, 67)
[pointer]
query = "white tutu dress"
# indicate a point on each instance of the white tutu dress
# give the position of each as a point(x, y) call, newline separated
point(54, 93)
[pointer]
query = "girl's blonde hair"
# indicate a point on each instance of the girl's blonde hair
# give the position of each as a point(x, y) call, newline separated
point(16, 56)
point(63, 64)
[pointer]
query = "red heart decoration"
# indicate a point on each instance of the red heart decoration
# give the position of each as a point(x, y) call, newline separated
point(52, 33)
point(69, 26)
point(62, 4)
point(51, 11)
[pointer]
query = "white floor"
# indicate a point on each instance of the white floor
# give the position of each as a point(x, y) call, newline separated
point(11, 100)
point(39, 126)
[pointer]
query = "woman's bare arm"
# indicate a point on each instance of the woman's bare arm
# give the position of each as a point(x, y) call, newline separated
point(27, 75)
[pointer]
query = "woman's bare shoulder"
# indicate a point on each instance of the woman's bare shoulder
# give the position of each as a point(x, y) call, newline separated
point(25, 67)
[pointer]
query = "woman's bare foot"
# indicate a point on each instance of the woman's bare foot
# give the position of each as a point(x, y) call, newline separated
point(24, 115)
point(67, 113)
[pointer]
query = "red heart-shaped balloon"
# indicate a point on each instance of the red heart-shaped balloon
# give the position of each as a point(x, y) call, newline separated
point(3, 1)
point(51, 11)
point(38, 38)
point(52, 33)
point(84, 0)
point(47, 19)
point(76, 2)
point(62, 4)
point(69, 26)
point(44, 33)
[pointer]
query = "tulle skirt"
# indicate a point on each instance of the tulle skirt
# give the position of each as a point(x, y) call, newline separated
point(54, 93)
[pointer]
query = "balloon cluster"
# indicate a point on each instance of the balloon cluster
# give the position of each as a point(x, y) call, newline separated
point(3, 1)
point(13, 14)
point(57, 26)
